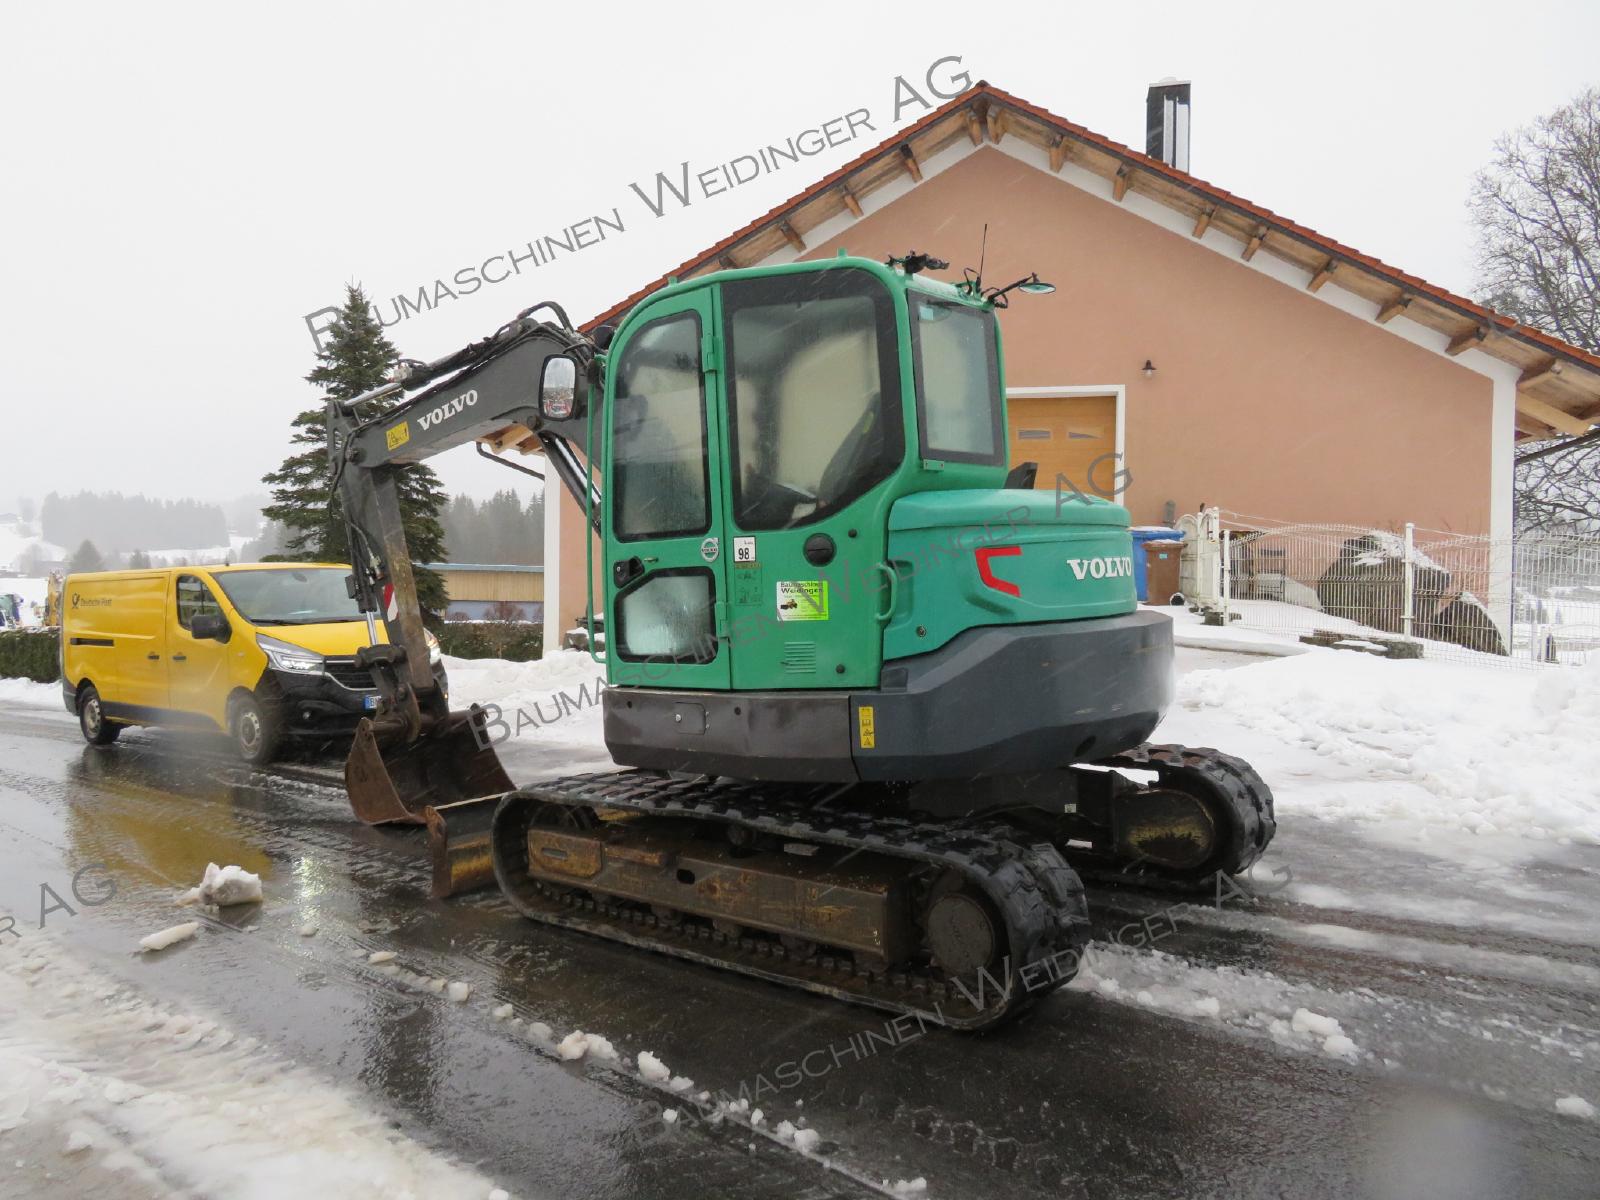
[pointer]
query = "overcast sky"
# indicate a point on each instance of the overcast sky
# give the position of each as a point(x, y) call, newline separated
point(182, 184)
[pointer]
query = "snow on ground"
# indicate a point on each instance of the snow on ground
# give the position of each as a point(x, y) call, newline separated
point(544, 711)
point(1189, 630)
point(15, 545)
point(1452, 1035)
point(1246, 1000)
point(25, 693)
point(1415, 744)
point(105, 1093)
point(201, 556)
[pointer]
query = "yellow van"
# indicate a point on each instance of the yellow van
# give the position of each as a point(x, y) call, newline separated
point(260, 652)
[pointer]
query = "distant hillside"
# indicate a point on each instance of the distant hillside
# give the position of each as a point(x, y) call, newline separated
point(118, 524)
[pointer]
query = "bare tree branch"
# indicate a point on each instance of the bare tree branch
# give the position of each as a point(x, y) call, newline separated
point(1536, 207)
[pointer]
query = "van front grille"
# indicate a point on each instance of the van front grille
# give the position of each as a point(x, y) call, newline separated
point(345, 673)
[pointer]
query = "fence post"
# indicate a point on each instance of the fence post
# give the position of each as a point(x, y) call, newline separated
point(1409, 592)
point(1227, 574)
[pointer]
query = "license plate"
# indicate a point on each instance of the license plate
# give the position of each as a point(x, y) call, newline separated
point(369, 702)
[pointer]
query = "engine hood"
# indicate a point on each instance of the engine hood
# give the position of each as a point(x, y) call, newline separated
point(335, 639)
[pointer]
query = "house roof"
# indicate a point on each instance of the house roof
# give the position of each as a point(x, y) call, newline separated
point(1558, 392)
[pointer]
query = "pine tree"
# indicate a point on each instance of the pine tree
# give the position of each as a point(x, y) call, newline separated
point(355, 359)
point(138, 561)
point(86, 558)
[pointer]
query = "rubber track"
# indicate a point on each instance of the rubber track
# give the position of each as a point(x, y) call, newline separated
point(1040, 897)
point(1243, 796)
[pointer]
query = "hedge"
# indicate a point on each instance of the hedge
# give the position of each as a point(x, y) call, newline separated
point(514, 640)
point(30, 654)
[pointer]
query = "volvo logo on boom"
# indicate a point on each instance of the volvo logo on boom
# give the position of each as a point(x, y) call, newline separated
point(448, 409)
point(1106, 567)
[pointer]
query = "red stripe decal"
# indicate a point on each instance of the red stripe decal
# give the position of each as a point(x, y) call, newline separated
point(986, 573)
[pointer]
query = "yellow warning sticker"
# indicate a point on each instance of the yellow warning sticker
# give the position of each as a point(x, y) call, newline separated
point(398, 435)
point(869, 734)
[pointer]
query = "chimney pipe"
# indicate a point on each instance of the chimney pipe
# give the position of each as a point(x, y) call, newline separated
point(1166, 122)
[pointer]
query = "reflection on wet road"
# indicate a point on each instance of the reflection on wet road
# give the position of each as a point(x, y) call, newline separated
point(1133, 1083)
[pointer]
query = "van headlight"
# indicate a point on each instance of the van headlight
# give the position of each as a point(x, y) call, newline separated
point(435, 654)
point(286, 657)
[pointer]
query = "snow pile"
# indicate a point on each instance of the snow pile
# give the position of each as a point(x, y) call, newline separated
point(1434, 744)
point(533, 707)
point(25, 693)
point(1575, 1106)
point(652, 1068)
point(1189, 630)
point(1245, 1000)
point(577, 1043)
point(1391, 547)
point(211, 1115)
point(804, 1140)
point(226, 886)
point(1334, 1042)
point(514, 685)
point(169, 937)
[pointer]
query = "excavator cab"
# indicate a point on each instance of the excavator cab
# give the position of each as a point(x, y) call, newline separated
point(814, 565)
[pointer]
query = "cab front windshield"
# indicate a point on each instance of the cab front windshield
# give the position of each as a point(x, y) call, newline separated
point(813, 394)
point(304, 596)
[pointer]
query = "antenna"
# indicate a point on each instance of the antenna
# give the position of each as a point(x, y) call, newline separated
point(983, 249)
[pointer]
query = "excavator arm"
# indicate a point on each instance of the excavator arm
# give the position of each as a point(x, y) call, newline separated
point(415, 759)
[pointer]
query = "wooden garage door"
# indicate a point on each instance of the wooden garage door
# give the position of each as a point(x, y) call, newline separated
point(1064, 434)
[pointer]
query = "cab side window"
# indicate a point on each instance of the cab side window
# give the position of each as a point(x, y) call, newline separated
point(195, 599)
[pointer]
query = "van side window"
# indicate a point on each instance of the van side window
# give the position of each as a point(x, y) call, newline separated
point(194, 599)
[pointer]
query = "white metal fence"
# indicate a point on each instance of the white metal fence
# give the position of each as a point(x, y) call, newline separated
point(1472, 599)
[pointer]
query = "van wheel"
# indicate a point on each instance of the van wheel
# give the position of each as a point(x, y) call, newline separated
point(255, 730)
point(97, 731)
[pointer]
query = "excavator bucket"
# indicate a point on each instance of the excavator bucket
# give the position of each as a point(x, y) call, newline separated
point(459, 845)
point(448, 778)
point(392, 780)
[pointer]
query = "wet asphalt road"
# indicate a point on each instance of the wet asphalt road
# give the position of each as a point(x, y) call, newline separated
point(1468, 1033)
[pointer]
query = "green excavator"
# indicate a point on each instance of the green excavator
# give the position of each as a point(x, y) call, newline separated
point(879, 706)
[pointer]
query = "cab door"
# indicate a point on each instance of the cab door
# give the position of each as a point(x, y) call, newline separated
point(665, 559)
point(816, 437)
point(197, 676)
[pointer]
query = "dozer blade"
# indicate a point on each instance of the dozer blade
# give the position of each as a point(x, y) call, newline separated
point(392, 780)
point(459, 845)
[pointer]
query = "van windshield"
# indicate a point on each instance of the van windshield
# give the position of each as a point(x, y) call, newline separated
point(312, 596)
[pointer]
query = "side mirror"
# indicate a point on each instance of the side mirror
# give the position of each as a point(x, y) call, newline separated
point(210, 627)
point(560, 397)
